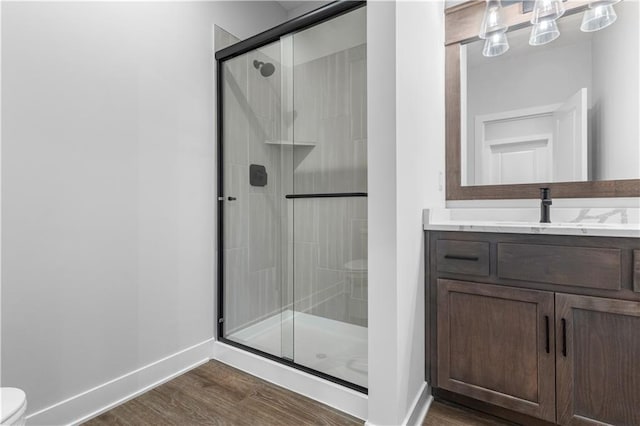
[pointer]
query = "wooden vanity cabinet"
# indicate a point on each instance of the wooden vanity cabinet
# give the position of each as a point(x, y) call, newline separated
point(496, 344)
point(598, 361)
point(529, 349)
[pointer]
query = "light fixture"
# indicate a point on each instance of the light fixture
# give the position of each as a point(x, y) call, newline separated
point(546, 10)
point(495, 45)
point(493, 30)
point(544, 16)
point(544, 32)
point(599, 15)
point(492, 20)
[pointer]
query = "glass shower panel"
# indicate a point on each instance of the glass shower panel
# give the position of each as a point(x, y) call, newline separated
point(328, 203)
point(253, 268)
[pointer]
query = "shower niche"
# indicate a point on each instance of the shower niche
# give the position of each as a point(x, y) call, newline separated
point(293, 197)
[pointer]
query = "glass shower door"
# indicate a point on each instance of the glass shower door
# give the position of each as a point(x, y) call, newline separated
point(253, 248)
point(329, 204)
point(294, 206)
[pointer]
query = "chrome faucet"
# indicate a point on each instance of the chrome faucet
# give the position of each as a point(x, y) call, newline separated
point(545, 205)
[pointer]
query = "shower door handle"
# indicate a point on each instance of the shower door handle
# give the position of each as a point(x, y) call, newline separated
point(327, 195)
point(231, 198)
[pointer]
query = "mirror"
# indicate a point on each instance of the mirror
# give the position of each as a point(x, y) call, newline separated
point(566, 111)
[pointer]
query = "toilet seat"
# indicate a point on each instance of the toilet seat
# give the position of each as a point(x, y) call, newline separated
point(13, 404)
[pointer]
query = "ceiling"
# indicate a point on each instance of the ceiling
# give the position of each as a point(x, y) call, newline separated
point(290, 5)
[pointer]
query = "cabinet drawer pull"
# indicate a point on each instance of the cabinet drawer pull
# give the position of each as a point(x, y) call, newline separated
point(546, 327)
point(564, 337)
point(461, 257)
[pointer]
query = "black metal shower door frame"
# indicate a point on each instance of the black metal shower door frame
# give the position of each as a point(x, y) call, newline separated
point(308, 20)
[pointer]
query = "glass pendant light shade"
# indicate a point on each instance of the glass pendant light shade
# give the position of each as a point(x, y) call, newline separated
point(545, 10)
point(495, 45)
point(599, 15)
point(543, 33)
point(492, 20)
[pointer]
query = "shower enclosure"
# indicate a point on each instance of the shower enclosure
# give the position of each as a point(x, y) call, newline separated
point(292, 194)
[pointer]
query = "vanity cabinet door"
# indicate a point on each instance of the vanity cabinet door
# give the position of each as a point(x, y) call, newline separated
point(597, 361)
point(496, 344)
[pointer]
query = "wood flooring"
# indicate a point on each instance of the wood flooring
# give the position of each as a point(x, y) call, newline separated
point(216, 394)
point(441, 414)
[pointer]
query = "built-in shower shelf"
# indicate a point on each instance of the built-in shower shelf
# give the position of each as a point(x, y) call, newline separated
point(291, 143)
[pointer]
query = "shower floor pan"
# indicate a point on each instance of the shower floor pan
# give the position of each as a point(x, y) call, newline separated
point(332, 347)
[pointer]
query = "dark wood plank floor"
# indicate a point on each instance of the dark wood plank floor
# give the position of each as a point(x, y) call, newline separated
point(216, 394)
point(448, 415)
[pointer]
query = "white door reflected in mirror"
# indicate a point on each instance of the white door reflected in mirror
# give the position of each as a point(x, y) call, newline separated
point(541, 144)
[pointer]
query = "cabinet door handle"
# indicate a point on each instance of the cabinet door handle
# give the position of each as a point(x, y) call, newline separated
point(546, 327)
point(461, 257)
point(564, 337)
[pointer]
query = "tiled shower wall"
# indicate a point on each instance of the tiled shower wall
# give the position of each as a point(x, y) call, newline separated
point(330, 234)
point(252, 234)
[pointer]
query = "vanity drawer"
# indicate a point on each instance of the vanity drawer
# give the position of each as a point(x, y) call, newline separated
point(573, 266)
point(636, 271)
point(463, 257)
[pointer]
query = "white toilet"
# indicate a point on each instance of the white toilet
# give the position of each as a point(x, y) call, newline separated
point(13, 404)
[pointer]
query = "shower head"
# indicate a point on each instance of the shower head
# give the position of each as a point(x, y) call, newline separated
point(266, 69)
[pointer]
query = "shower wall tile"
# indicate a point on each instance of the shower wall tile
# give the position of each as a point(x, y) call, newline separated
point(235, 276)
point(358, 80)
point(333, 238)
point(304, 270)
point(326, 298)
point(328, 278)
point(252, 235)
point(305, 218)
point(358, 287)
point(306, 103)
point(264, 96)
point(268, 156)
point(264, 232)
point(358, 235)
point(305, 174)
point(357, 312)
point(265, 287)
point(334, 308)
point(330, 100)
point(359, 168)
point(236, 213)
point(235, 129)
point(340, 70)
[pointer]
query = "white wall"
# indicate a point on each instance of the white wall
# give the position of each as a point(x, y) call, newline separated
point(420, 139)
point(617, 128)
point(108, 186)
point(384, 369)
point(304, 7)
point(406, 156)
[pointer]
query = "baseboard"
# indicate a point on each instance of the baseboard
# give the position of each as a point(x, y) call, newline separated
point(324, 391)
point(93, 402)
point(419, 408)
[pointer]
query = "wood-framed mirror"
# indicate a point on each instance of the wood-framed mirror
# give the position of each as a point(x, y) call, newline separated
point(577, 128)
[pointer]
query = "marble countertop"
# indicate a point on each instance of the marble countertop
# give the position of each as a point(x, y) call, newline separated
point(438, 221)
